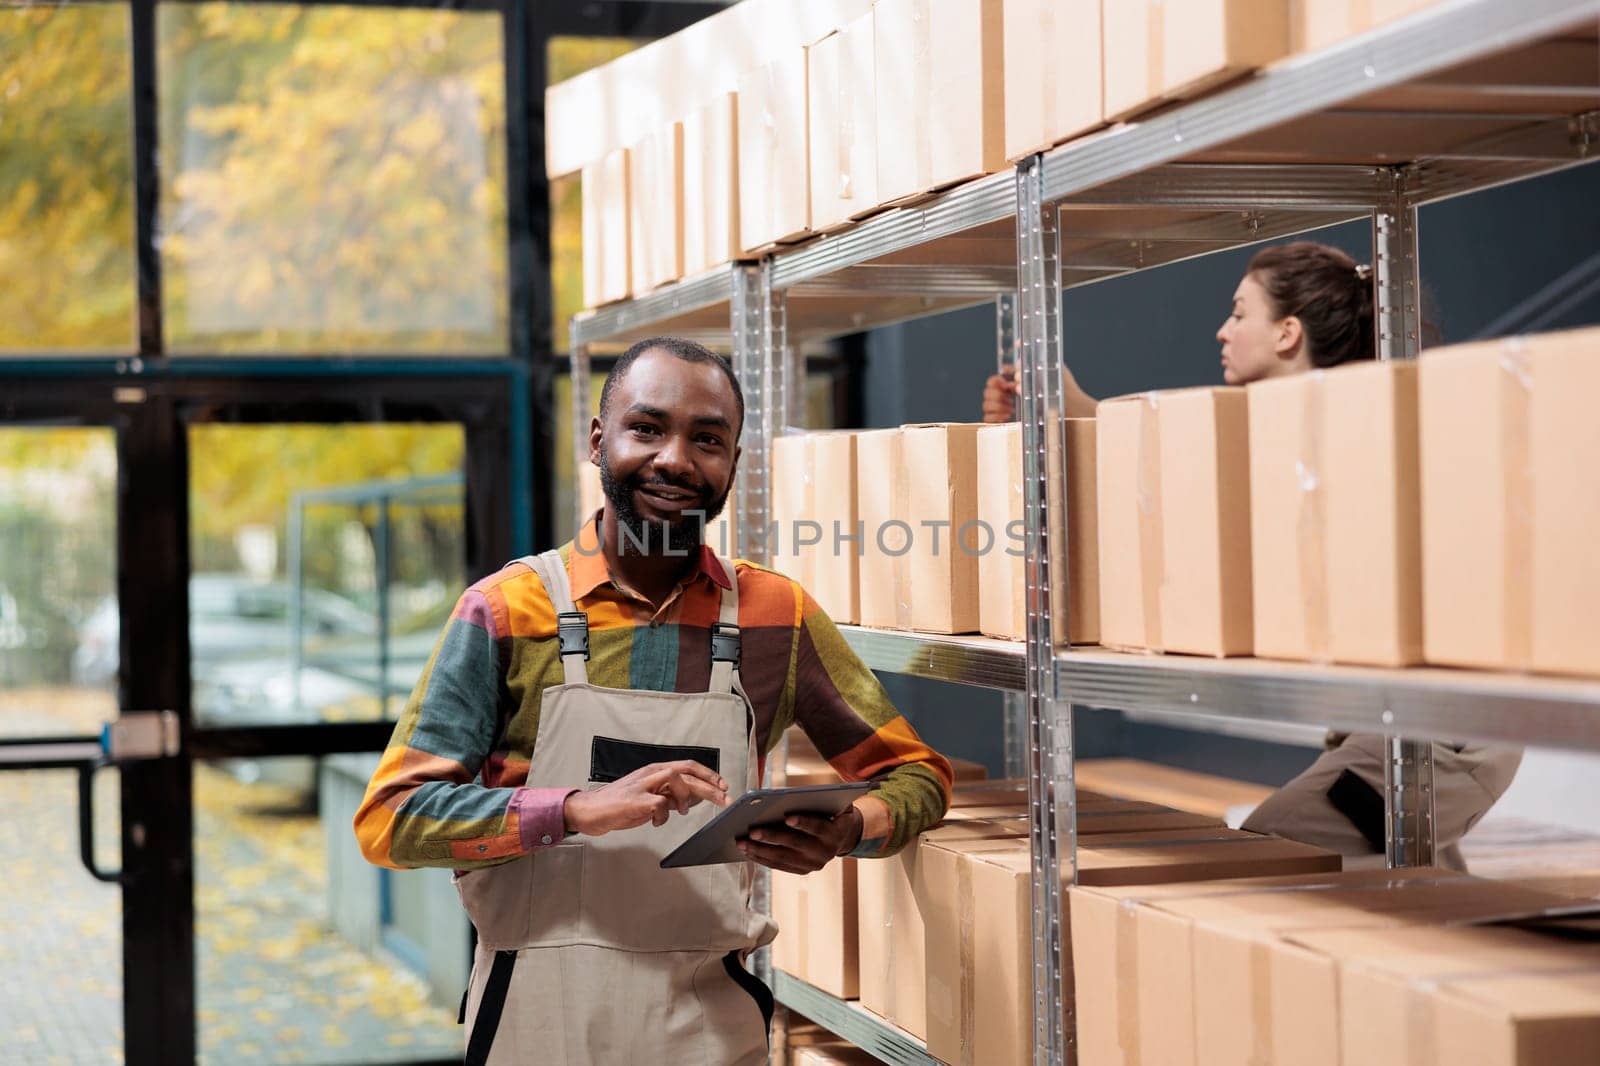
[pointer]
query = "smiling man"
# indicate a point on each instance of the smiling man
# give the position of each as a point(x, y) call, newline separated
point(587, 709)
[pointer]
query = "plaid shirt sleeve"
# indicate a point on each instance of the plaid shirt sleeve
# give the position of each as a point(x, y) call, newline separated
point(843, 708)
point(424, 805)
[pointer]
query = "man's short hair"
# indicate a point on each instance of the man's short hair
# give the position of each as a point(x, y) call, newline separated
point(679, 347)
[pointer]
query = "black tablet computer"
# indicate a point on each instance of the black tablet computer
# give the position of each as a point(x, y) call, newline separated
point(716, 842)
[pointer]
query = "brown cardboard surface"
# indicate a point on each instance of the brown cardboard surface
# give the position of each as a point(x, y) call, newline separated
point(843, 123)
point(1185, 790)
point(1315, 24)
point(836, 576)
point(620, 102)
point(655, 208)
point(1155, 50)
point(1437, 996)
point(1194, 855)
point(1335, 521)
point(1261, 997)
point(817, 922)
point(711, 185)
point(1174, 521)
point(940, 589)
point(940, 92)
point(789, 504)
point(880, 478)
point(607, 274)
point(774, 200)
point(1052, 72)
point(836, 1053)
point(1002, 576)
point(1511, 503)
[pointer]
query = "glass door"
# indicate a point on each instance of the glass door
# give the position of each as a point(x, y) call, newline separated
point(61, 965)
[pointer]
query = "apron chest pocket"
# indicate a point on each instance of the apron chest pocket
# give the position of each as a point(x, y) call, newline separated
point(612, 760)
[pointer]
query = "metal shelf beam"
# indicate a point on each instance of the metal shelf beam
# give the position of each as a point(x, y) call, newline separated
point(1457, 705)
point(853, 1022)
point(703, 292)
point(980, 661)
point(1432, 40)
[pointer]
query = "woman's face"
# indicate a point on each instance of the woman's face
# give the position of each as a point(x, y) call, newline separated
point(1255, 344)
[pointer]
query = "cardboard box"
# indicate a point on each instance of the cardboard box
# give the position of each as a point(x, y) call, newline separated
point(918, 501)
point(1442, 996)
point(1158, 50)
point(836, 1053)
point(774, 167)
point(1138, 952)
point(655, 208)
point(1315, 24)
point(711, 185)
point(805, 765)
point(941, 93)
point(814, 505)
point(664, 80)
point(1511, 504)
point(817, 930)
point(1174, 516)
point(980, 958)
point(1335, 519)
point(1002, 575)
point(607, 271)
point(843, 122)
point(1053, 89)
point(1222, 798)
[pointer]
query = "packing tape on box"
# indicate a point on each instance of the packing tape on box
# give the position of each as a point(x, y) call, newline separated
point(1516, 396)
point(1125, 935)
point(1155, 47)
point(967, 918)
point(1311, 525)
point(1152, 551)
point(900, 508)
point(769, 146)
point(921, 90)
point(844, 101)
point(1260, 978)
point(1051, 81)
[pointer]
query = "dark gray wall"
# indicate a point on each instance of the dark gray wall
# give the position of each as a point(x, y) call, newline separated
point(1481, 255)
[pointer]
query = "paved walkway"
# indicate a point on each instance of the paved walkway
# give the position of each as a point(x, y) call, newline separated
point(275, 985)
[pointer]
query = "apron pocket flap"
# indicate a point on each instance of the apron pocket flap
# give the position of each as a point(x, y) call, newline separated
point(611, 759)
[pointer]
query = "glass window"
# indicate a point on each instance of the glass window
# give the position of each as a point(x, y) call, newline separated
point(567, 58)
point(335, 180)
point(66, 179)
point(58, 581)
point(323, 578)
point(299, 957)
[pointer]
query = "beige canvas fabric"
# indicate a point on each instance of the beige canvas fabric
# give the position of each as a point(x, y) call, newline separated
point(1466, 783)
point(618, 960)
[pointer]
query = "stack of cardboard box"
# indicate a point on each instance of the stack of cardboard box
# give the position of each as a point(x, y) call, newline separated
point(773, 121)
point(1241, 971)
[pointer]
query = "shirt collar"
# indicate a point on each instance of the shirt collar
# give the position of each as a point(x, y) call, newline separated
point(587, 569)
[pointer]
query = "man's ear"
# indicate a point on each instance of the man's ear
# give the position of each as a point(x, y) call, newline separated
point(595, 437)
point(1290, 339)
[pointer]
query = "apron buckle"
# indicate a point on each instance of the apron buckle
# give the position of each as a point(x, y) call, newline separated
point(725, 643)
point(572, 627)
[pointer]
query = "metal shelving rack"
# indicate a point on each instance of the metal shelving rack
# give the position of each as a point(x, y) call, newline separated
point(1459, 97)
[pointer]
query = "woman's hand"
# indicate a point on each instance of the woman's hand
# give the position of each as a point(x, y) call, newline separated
point(805, 843)
point(1000, 395)
point(649, 794)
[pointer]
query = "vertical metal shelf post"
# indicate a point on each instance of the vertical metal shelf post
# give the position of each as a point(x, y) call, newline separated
point(578, 374)
point(1408, 764)
point(749, 327)
point(1051, 792)
point(1015, 706)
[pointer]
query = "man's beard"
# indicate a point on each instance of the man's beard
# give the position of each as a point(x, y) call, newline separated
point(657, 536)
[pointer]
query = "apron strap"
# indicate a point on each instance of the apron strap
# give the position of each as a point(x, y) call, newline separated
point(725, 635)
point(487, 1020)
point(572, 625)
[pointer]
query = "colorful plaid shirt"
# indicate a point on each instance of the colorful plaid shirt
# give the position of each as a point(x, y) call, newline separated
point(451, 789)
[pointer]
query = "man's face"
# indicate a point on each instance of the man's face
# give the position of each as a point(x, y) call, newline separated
point(667, 451)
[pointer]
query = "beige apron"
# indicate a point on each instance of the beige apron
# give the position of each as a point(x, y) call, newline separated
point(589, 952)
point(1311, 808)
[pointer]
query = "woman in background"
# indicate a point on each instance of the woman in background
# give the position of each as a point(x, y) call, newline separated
point(1298, 307)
